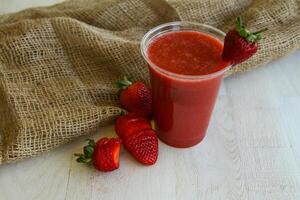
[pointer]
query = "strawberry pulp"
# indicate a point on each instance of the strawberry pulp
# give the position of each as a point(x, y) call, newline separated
point(182, 106)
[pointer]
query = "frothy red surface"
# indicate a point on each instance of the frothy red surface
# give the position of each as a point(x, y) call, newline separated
point(187, 53)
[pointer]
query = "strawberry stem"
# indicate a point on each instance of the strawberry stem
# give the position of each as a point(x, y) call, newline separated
point(260, 31)
point(239, 22)
point(245, 33)
point(123, 84)
point(91, 142)
point(122, 112)
point(88, 151)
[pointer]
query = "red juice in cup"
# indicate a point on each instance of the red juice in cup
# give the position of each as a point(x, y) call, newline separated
point(186, 70)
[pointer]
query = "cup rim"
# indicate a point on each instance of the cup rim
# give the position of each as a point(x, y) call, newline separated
point(143, 49)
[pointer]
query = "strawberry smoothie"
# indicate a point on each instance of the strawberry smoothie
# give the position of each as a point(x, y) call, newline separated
point(186, 69)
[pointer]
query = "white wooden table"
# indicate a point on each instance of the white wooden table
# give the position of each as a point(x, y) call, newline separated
point(252, 150)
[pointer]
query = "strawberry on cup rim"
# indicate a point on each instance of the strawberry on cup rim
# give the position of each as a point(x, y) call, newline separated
point(240, 43)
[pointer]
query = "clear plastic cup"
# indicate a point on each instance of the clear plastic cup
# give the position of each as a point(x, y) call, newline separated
point(182, 104)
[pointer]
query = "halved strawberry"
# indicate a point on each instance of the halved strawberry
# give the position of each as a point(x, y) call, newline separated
point(143, 146)
point(104, 155)
point(122, 120)
point(129, 124)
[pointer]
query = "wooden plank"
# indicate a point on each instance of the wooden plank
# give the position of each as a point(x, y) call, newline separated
point(269, 167)
point(290, 109)
point(44, 177)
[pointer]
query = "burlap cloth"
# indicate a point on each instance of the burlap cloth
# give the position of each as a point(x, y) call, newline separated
point(59, 64)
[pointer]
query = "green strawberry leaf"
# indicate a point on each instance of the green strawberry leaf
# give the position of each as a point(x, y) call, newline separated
point(88, 151)
point(123, 84)
point(246, 34)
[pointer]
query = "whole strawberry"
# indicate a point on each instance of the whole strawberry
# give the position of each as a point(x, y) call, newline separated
point(240, 44)
point(135, 97)
point(103, 155)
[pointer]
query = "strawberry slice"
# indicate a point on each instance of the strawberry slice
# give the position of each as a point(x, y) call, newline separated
point(240, 44)
point(129, 124)
point(143, 146)
point(104, 155)
point(138, 137)
point(122, 120)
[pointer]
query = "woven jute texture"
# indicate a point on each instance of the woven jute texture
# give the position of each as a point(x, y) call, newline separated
point(59, 64)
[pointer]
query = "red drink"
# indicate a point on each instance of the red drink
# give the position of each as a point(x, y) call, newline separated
point(186, 70)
